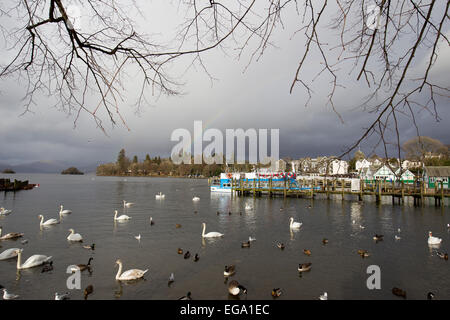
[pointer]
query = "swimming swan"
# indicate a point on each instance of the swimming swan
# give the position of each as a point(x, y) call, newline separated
point(121, 218)
point(294, 225)
point(433, 240)
point(131, 274)
point(195, 199)
point(33, 261)
point(11, 235)
point(127, 204)
point(160, 196)
point(62, 211)
point(210, 234)
point(4, 212)
point(8, 254)
point(74, 236)
point(49, 222)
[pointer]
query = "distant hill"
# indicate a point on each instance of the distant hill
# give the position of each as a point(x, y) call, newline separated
point(46, 167)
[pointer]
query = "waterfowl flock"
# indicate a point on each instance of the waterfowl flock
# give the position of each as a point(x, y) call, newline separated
point(235, 288)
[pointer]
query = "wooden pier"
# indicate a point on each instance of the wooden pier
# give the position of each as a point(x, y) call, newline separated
point(309, 188)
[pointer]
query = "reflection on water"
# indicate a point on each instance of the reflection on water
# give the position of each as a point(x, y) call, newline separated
point(261, 267)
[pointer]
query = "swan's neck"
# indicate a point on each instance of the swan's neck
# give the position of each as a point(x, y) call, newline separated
point(204, 228)
point(72, 232)
point(292, 221)
point(19, 259)
point(42, 219)
point(1, 229)
point(115, 214)
point(119, 271)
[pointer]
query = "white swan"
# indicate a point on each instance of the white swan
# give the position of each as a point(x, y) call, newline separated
point(195, 199)
point(433, 240)
point(210, 234)
point(248, 207)
point(9, 296)
point(122, 217)
point(11, 235)
point(74, 236)
point(127, 204)
point(33, 261)
point(8, 254)
point(294, 225)
point(160, 196)
point(131, 274)
point(4, 212)
point(62, 211)
point(49, 222)
point(323, 296)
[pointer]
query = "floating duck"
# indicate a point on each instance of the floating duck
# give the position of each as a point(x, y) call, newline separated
point(89, 289)
point(62, 296)
point(234, 288)
point(430, 296)
point(138, 237)
point(151, 221)
point(323, 296)
point(187, 255)
point(91, 247)
point(324, 240)
point(245, 244)
point(442, 255)
point(229, 270)
point(178, 225)
point(378, 237)
point(280, 245)
point(196, 257)
point(186, 297)
point(180, 251)
point(399, 292)
point(47, 267)
point(276, 292)
point(363, 253)
point(171, 279)
point(302, 267)
point(9, 296)
point(307, 252)
point(397, 237)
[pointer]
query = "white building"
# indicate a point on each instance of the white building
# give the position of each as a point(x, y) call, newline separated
point(361, 164)
point(339, 167)
point(384, 173)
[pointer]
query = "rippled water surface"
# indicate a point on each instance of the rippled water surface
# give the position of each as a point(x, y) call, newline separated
point(408, 263)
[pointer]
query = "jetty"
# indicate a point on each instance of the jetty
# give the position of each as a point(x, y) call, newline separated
point(16, 185)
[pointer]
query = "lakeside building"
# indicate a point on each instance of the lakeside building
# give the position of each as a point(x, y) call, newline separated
point(435, 176)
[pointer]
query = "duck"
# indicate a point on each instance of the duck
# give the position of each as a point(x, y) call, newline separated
point(178, 226)
point(25, 241)
point(151, 221)
point(82, 267)
point(302, 267)
point(195, 199)
point(324, 240)
point(186, 297)
point(280, 245)
point(245, 244)
point(180, 251)
point(363, 253)
point(187, 255)
point(4, 212)
point(399, 292)
point(127, 204)
point(210, 234)
point(62, 296)
point(47, 267)
point(430, 296)
point(160, 196)
point(196, 257)
point(49, 222)
point(433, 240)
point(251, 239)
point(307, 252)
point(9, 253)
point(171, 279)
point(234, 288)
point(323, 296)
point(378, 237)
point(33, 261)
point(91, 247)
point(276, 292)
point(131, 274)
point(89, 289)
point(294, 225)
point(123, 217)
point(442, 255)
point(229, 270)
point(74, 236)
point(62, 211)
point(9, 296)
point(138, 237)
point(397, 237)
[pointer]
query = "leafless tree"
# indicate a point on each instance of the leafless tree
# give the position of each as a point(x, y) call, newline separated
point(381, 39)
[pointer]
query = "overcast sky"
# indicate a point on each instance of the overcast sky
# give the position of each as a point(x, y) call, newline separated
point(257, 98)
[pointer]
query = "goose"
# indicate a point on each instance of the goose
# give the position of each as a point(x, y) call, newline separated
point(82, 267)
point(138, 237)
point(131, 274)
point(245, 244)
point(4, 212)
point(196, 258)
point(9, 296)
point(187, 255)
point(234, 288)
point(302, 267)
point(160, 196)
point(363, 253)
point(276, 292)
point(442, 255)
point(229, 270)
point(397, 237)
point(47, 267)
point(399, 292)
point(127, 204)
point(251, 239)
point(120, 218)
point(151, 221)
point(323, 296)
point(9, 253)
point(33, 261)
point(186, 297)
point(11, 235)
point(49, 222)
point(74, 236)
point(171, 278)
point(89, 289)
point(62, 211)
point(294, 225)
point(195, 199)
point(430, 296)
point(180, 251)
point(62, 296)
point(280, 245)
point(378, 237)
point(433, 240)
point(307, 252)
point(210, 234)
point(91, 247)
point(324, 240)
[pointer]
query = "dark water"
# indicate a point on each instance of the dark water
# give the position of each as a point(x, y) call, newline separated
point(408, 263)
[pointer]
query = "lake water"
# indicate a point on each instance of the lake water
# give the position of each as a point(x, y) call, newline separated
point(408, 263)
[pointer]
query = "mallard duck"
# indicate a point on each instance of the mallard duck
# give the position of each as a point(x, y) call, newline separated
point(324, 240)
point(245, 244)
point(89, 289)
point(302, 267)
point(276, 292)
point(280, 245)
point(442, 255)
point(430, 296)
point(178, 225)
point(378, 237)
point(363, 253)
point(180, 251)
point(234, 288)
point(196, 257)
point(399, 292)
point(229, 270)
point(187, 255)
point(47, 267)
point(186, 297)
point(307, 252)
